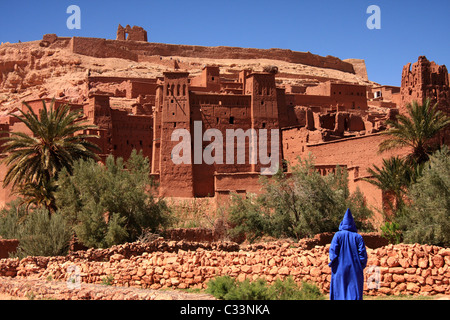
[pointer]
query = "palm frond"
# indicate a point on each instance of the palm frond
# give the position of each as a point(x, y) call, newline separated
point(57, 139)
point(415, 130)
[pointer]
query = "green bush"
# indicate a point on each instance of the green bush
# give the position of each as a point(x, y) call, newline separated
point(289, 290)
point(108, 280)
point(113, 203)
point(10, 218)
point(298, 205)
point(246, 290)
point(227, 288)
point(39, 233)
point(221, 286)
point(44, 235)
point(391, 231)
point(249, 217)
point(426, 219)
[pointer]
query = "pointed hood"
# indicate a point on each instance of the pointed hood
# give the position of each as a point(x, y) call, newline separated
point(348, 223)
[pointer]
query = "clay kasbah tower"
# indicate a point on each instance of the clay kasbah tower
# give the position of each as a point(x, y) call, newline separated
point(175, 100)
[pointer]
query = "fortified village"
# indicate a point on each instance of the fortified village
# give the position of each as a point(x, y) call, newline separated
point(137, 93)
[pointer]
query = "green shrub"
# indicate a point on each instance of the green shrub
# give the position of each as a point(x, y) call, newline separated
point(221, 286)
point(248, 217)
point(288, 289)
point(308, 291)
point(426, 219)
point(246, 290)
point(108, 280)
point(44, 235)
point(10, 218)
point(391, 231)
point(112, 203)
point(227, 288)
point(298, 205)
point(39, 233)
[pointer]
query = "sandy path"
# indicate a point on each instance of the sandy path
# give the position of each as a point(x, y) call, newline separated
point(30, 289)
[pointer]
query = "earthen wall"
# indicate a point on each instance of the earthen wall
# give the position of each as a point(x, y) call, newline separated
point(132, 49)
point(131, 132)
point(8, 246)
point(101, 48)
point(359, 153)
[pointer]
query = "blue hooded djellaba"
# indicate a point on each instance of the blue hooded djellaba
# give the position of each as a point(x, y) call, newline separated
point(348, 258)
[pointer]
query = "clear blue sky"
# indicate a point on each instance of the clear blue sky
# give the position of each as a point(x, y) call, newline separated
point(325, 27)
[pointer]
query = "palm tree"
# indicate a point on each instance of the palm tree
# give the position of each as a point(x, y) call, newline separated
point(416, 130)
point(34, 160)
point(39, 195)
point(394, 178)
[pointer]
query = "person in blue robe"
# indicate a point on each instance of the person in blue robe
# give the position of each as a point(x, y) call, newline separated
point(348, 258)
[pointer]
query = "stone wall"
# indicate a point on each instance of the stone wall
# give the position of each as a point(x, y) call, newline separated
point(403, 269)
point(372, 240)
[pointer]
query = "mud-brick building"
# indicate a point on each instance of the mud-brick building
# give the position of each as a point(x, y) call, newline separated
point(201, 104)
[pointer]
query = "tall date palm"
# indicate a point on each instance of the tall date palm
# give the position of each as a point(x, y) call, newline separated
point(416, 130)
point(419, 130)
point(57, 139)
point(394, 178)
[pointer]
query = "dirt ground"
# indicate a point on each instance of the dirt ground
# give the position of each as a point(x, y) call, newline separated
point(37, 289)
point(438, 297)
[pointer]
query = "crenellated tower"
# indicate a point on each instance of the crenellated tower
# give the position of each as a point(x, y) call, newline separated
point(424, 79)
